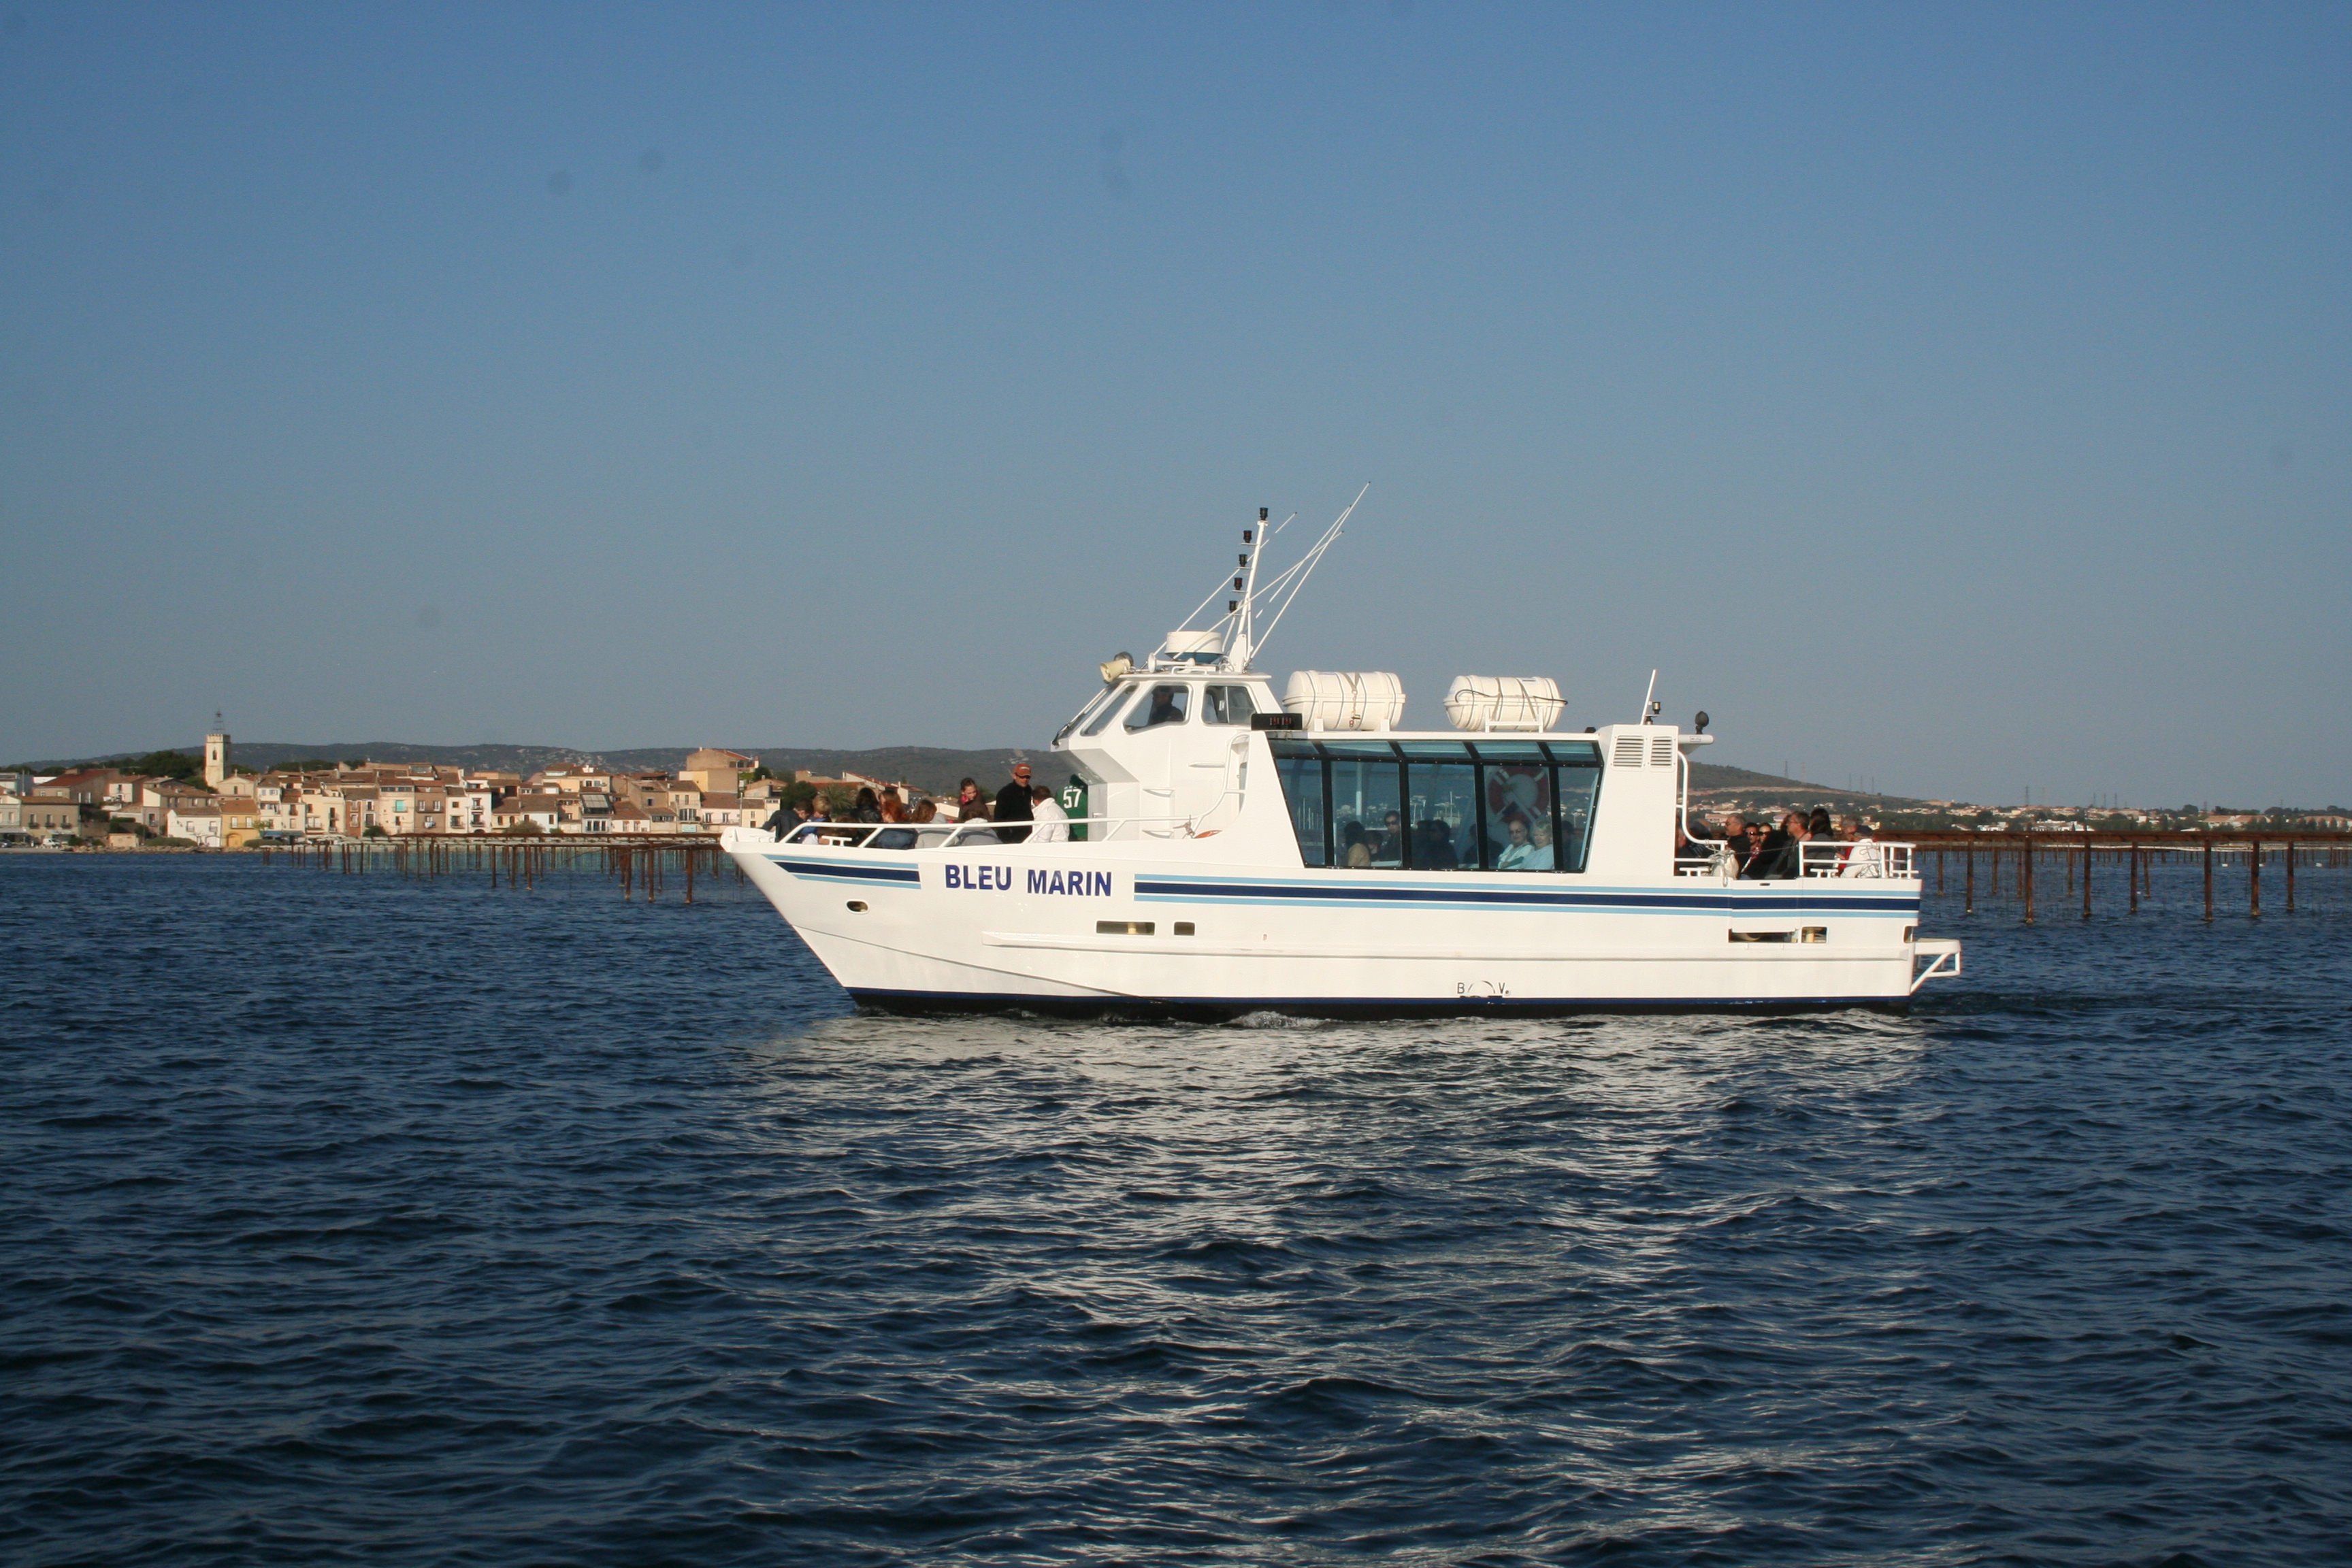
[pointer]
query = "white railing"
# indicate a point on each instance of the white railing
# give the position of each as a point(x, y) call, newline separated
point(957, 835)
point(1869, 858)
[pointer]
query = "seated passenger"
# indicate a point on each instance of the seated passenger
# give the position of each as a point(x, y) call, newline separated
point(1688, 851)
point(1388, 850)
point(1862, 857)
point(1522, 853)
point(893, 839)
point(1782, 859)
point(1432, 846)
point(1355, 848)
point(927, 811)
point(867, 808)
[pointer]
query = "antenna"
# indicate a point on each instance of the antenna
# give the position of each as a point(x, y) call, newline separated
point(1650, 707)
point(1296, 578)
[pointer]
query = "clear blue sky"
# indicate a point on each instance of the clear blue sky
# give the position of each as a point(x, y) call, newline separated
point(1953, 396)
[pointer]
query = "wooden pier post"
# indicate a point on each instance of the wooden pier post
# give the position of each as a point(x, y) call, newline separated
point(2133, 867)
point(2289, 876)
point(1968, 866)
point(2025, 872)
point(2208, 875)
point(2086, 879)
point(2254, 880)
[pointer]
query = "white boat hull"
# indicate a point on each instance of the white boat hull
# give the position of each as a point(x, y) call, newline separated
point(1095, 928)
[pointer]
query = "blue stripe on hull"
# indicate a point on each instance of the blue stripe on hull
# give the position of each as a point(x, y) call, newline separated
point(1158, 889)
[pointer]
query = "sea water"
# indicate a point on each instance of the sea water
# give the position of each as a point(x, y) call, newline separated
point(370, 1220)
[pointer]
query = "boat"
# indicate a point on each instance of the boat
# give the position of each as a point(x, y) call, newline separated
point(1230, 851)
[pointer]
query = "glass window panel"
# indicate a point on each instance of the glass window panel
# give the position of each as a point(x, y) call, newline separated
point(1445, 836)
point(1518, 798)
point(1301, 772)
point(1111, 710)
point(1225, 705)
point(1363, 803)
point(1097, 700)
point(1166, 704)
point(1579, 790)
point(1434, 751)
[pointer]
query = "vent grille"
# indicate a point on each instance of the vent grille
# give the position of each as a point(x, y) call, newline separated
point(1661, 750)
point(1627, 753)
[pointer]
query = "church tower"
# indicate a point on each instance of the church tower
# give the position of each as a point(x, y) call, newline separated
point(217, 755)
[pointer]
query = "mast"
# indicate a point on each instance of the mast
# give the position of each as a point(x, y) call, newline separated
point(1244, 641)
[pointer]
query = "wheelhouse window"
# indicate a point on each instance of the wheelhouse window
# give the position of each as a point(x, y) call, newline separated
point(1226, 705)
point(1103, 698)
point(1166, 704)
point(1440, 805)
point(1110, 708)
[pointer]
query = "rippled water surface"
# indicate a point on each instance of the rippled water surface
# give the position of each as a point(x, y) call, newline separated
point(350, 1219)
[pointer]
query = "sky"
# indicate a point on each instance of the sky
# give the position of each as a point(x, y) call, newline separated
point(1948, 398)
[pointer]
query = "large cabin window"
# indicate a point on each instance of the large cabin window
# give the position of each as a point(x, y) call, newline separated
point(1302, 786)
point(1367, 814)
point(1440, 805)
point(1515, 789)
point(1442, 788)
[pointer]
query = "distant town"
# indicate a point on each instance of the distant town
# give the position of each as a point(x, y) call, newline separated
point(174, 800)
point(207, 800)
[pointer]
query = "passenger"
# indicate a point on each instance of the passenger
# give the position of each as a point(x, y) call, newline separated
point(1167, 706)
point(1863, 858)
point(1688, 851)
point(1521, 854)
point(893, 808)
point(1432, 846)
point(867, 808)
point(1732, 858)
point(927, 811)
point(1389, 847)
point(1765, 845)
point(968, 805)
point(1355, 849)
point(779, 821)
point(1053, 822)
point(1012, 806)
point(1817, 825)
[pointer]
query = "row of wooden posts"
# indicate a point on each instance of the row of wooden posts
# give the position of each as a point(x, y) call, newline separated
point(637, 865)
point(648, 865)
point(2139, 854)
